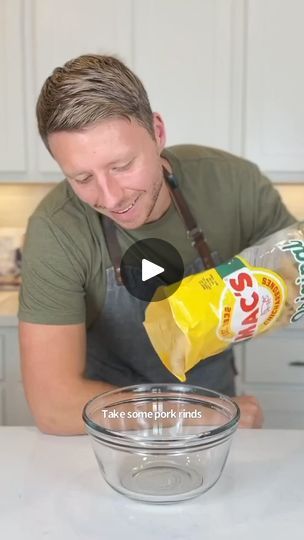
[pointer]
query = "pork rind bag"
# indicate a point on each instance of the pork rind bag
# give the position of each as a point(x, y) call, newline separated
point(260, 289)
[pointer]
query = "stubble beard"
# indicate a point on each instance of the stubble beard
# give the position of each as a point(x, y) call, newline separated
point(157, 187)
point(155, 193)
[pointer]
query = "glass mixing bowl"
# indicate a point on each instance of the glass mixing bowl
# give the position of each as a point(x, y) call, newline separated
point(161, 442)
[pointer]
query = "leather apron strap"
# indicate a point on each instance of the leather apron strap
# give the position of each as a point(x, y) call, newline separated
point(194, 233)
point(113, 246)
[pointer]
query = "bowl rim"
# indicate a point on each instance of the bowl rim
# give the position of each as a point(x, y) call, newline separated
point(114, 437)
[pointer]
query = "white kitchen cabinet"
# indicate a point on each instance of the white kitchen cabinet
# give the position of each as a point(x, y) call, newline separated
point(224, 73)
point(64, 29)
point(276, 358)
point(187, 72)
point(184, 52)
point(272, 368)
point(14, 409)
point(274, 105)
point(1, 379)
point(1, 404)
point(188, 54)
point(12, 89)
point(283, 407)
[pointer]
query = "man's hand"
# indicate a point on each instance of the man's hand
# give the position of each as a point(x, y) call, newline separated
point(251, 412)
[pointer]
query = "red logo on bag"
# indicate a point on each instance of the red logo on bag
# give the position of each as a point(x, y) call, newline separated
point(248, 300)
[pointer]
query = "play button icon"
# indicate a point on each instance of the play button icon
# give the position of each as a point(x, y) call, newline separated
point(150, 270)
point(149, 266)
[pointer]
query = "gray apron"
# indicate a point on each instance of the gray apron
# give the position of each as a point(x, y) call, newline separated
point(118, 349)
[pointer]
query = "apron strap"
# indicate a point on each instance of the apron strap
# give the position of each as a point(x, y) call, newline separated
point(194, 233)
point(113, 246)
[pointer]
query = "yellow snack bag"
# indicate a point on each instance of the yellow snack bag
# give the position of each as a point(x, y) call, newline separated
point(261, 288)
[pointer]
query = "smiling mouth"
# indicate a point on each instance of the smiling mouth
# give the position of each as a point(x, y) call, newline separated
point(125, 210)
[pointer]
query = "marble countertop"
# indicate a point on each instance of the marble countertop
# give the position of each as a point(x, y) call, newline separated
point(51, 488)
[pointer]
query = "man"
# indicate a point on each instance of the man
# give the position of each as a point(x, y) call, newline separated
point(81, 331)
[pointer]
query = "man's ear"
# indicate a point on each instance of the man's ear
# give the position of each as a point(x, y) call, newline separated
point(159, 131)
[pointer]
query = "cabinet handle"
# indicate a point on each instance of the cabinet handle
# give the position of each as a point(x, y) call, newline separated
point(296, 363)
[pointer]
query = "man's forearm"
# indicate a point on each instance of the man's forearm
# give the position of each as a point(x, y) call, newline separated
point(62, 414)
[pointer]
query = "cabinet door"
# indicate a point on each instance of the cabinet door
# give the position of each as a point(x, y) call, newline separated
point(2, 341)
point(12, 124)
point(283, 408)
point(1, 404)
point(275, 359)
point(16, 410)
point(274, 126)
point(63, 29)
point(272, 369)
point(183, 53)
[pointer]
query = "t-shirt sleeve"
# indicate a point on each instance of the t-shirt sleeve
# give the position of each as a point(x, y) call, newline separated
point(262, 211)
point(52, 290)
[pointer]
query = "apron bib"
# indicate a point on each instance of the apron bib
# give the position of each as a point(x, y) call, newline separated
point(118, 349)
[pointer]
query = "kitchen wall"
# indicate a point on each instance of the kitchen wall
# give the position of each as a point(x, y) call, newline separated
point(17, 201)
point(293, 196)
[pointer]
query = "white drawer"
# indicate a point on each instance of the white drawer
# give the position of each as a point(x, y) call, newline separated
point(278, 358)
point(9, 354)
point(2, 350)
point(280, 400)
point(1, 404)
point(282, 409)
point(17, 412)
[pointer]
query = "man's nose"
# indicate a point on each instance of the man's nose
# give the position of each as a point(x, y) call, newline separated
point(111, 192)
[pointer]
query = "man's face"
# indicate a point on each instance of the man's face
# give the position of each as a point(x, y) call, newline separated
point(115, 167)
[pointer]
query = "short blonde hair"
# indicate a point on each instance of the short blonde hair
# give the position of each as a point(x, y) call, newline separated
point(88, 89)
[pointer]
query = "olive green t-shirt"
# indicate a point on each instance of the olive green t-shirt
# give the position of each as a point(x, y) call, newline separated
point(65, 256)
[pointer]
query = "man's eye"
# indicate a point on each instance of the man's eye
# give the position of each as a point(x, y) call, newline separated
point(123, 167)
point(83, 180)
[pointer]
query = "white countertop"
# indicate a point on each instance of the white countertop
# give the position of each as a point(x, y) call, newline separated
point(8, 308)
point(51, 488)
